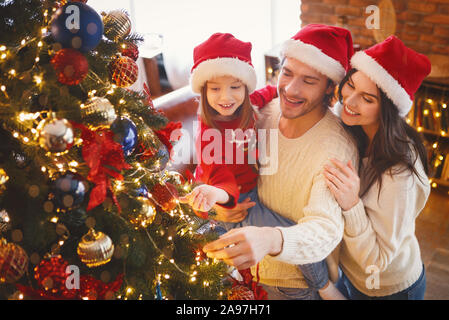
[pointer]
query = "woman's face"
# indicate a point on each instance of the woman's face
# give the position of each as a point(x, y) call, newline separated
point(225, 94)
point(361, 101)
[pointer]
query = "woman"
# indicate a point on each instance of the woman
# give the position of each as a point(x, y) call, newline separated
point(380, 256)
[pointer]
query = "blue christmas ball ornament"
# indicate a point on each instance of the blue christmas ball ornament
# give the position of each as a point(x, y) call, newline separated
point(125, 133)
point(77, 26)
point(68, 191)
point(142, 191)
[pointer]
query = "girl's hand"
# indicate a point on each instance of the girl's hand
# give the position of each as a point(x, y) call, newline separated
point(343, 182)
point(204, 197)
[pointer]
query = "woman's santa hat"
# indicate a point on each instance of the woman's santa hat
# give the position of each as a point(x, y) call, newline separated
point(327, 49)
point(222, 55)
point(396, 69)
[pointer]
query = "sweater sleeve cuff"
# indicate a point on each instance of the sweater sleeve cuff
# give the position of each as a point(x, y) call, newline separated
point(355, 220)
point(289, 246)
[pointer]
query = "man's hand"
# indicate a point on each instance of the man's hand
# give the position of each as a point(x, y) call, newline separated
point(245, 247)
point(236, 214)
point(204, 197)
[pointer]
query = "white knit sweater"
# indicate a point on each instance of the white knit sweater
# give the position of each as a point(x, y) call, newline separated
point(379, 239)
point(297, 190)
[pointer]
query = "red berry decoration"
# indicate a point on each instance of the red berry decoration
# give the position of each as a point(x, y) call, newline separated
point(123, 71)
point(51, 276)
point(130, 50)
point(13, 262)
point(70, 65)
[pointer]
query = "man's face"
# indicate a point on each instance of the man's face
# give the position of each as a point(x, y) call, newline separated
point(301, 88)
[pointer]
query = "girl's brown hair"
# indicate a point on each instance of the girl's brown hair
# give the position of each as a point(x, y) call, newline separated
point(208, 114)
point(391, 143)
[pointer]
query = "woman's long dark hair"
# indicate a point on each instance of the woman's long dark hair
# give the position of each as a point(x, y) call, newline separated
point(391, 143)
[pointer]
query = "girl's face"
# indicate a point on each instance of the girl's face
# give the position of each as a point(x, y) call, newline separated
point(361, 102)
point(225, 94)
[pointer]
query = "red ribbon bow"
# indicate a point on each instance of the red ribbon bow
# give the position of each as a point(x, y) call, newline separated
point(165, 135)
point(105, 159)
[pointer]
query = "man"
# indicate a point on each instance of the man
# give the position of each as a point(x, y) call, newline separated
point(313, 62)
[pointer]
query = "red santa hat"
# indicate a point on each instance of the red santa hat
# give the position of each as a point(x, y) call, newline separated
point(220, 55)
point(327, 49)
point(396, 69)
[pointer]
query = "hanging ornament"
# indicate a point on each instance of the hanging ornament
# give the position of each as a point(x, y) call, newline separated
point(247, 289)
point(117, 25)
point(131, 50)
point(125, 133)
point(123, 71)
point(70, 66)
point(165, 196)
point(95, 249)
point(68, 191)
point(98, 112)
point(5, 221)
point(241, 292)
point(55, 135)
point(144, 215)
point(77, 26)
point(51, 277)
point(13, 262)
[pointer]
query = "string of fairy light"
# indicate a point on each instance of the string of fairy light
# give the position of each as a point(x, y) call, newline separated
point(435, 183)
point(30, 121)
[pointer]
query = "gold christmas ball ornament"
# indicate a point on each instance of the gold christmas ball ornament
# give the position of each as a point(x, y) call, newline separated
point(117, 25)
point(55, 135)
point(145, 215)
point(95, 249)
point(98, 111)
point(13, 262)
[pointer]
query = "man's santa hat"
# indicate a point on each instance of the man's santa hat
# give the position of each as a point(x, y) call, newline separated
point(222, 55)
point(327, 49)
point(396, 69)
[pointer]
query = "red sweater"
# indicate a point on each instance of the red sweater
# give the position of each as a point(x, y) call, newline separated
point(233, 178)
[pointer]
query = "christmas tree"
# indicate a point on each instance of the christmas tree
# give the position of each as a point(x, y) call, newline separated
point(88, 209)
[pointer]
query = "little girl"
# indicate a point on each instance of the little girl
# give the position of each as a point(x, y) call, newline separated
point(224, 76)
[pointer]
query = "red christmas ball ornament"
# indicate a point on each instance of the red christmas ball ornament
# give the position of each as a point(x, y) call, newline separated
point(13, 262)
point(241, 292)
point(123, 71)
point(130, 50)
point(51, 277)
point(165, 196)
point(70, 65)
